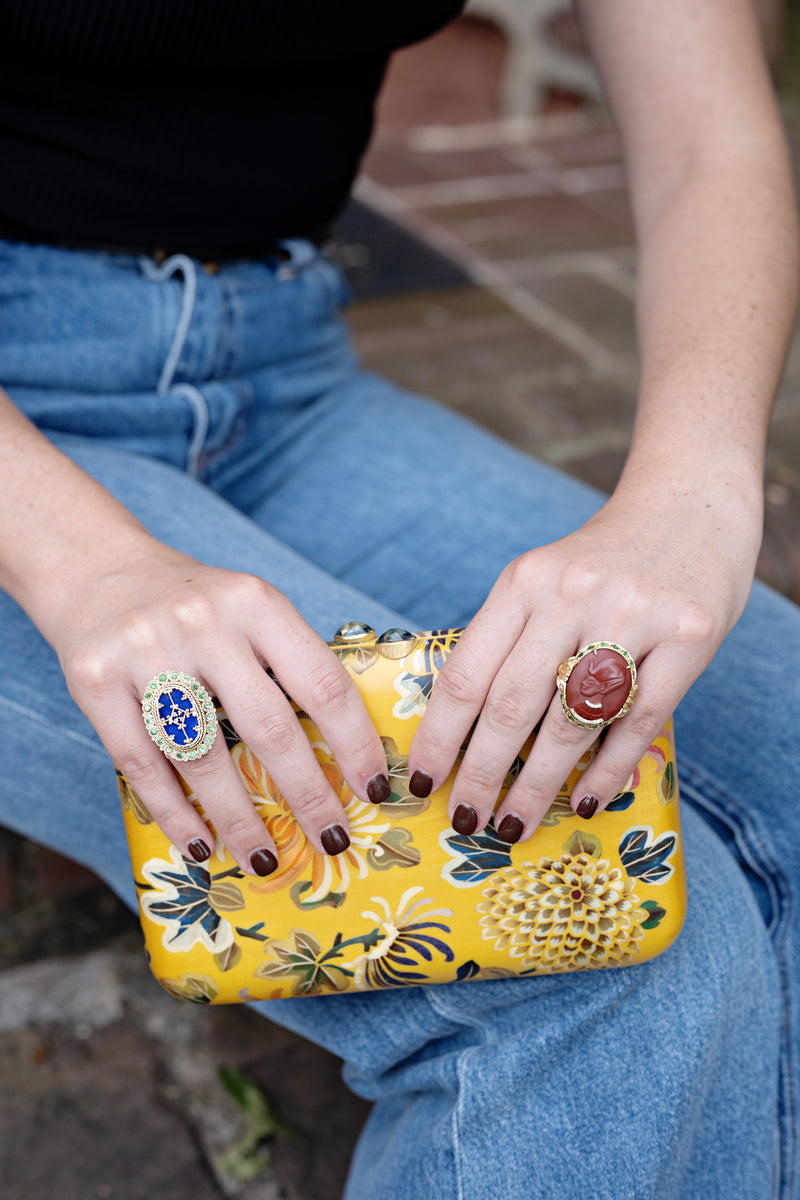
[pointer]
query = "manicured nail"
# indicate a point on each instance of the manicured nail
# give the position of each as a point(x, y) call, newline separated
point(199, 850)
point(510, 828)
point(263, 862)
point(587, 807)
point(420, 785)
point(334, 839)
point(465, 819)
point(378, 789)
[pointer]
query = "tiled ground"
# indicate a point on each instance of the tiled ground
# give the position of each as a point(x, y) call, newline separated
point(540, 348)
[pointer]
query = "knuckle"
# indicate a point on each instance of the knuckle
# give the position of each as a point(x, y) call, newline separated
point(698, 624)
point(249, 591)
point(578, 581)
point(91, 668)
point(170, 816)
point(240, 825)
point(277, 732)
point(140, 769)
point(195, 611)
point(565, 736)
point(632, 607)
point(642, 724)
point(529, 797)
point(455, 685)
point(312, 800)
point(362, 749)
point(477, 779)
point(330, 687)
point(507, 710)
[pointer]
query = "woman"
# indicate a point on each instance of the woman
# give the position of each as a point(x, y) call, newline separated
point(194, 475)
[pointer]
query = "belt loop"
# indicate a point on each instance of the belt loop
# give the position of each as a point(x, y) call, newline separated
point(301, 253)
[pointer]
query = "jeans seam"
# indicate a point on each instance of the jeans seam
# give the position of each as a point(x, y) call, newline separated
point(36, 719)
point(703, 792)
point(480, 1027)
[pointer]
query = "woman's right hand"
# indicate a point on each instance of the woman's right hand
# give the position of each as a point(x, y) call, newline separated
point(158, 610)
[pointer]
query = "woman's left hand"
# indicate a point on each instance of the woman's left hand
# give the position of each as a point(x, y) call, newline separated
point(665, 576)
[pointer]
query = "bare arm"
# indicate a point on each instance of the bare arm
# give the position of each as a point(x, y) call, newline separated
point(665, 567)
point(118, 605)
point(716, 223)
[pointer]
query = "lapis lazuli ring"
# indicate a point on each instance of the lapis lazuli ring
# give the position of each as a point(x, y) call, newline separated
point(597, 685)
point(179, 715)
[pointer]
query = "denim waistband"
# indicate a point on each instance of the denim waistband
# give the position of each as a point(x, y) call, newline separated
point(103, 322)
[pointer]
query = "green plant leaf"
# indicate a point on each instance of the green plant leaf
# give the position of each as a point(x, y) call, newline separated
point(247, 1157)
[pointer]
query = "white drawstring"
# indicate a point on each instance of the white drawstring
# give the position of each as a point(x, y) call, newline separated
point(175, 264)
point(171, 266)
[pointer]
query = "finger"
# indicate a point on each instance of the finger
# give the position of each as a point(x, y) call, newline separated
point(558, 747)
point(316, 680)
point(153, 779)
point(662, 681)
point(458, 695)
point(218, 787)
point(517, 698)
point(267, 723)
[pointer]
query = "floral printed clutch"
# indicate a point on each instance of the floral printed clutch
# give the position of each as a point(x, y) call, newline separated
point(411, 901)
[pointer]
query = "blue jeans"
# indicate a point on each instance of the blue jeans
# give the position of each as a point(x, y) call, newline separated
point(229, 413)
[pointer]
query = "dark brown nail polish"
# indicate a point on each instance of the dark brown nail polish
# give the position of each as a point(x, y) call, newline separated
point(263, 862)
point(420, 784)
point(378, 789)
point(587, 807)
point(199, 850)
point(510, 829)
point(334, 839)
point(465, 819)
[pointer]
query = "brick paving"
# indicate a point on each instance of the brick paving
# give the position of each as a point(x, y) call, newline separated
point(122, 1100)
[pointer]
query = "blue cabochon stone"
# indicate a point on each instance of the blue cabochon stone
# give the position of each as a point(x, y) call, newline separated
point(179, 716)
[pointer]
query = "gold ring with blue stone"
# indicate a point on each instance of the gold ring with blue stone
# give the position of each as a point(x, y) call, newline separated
point(179, 715)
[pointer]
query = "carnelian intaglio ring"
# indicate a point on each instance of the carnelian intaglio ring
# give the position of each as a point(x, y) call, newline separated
point(597, 685)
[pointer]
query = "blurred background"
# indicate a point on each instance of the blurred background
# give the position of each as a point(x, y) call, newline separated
point(490, 253)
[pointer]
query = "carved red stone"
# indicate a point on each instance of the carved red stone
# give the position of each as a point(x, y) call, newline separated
point(598, 686)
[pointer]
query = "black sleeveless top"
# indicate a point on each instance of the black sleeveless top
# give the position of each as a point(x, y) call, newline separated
point(210, 126)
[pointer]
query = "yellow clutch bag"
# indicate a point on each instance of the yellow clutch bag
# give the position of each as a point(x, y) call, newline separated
point(411, 901)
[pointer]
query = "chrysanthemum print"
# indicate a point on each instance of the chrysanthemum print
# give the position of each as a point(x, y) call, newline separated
point(410, 901)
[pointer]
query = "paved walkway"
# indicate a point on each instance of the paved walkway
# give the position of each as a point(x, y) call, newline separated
point(110, 1088)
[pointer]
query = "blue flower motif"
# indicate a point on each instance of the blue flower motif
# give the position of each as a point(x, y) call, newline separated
point(646, 859)
point(406, 936)
point(476, 856)
point(185, 899)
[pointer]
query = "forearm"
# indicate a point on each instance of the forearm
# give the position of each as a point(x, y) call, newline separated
point(716, 301)
point(57, 522)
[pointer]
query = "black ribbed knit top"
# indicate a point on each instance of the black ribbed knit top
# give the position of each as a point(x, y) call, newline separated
point(209, 126)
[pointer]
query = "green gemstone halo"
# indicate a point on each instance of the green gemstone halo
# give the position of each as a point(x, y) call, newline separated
point(179, 716)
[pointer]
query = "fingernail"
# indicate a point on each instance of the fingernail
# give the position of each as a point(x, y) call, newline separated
point(420, 785)
point(334, 839)
point(378, 789)
point(587, 807)
point(263, 862)
point(199, 850)
point(510, 828)
point(465, 819)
